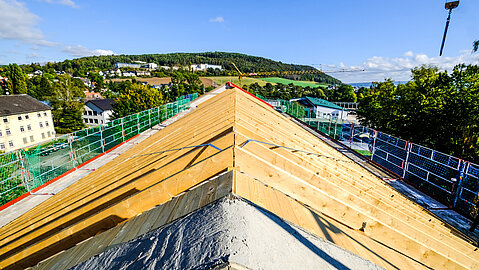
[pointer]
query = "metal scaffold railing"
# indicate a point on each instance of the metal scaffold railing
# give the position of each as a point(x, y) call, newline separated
point(23, 170)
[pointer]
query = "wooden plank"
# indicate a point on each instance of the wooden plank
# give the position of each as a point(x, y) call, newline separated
point(369, 184)
point(352, 210)
point(87, 188)
point(123, 210)
point(348, 236)
point(138, 184)
point(127, 231)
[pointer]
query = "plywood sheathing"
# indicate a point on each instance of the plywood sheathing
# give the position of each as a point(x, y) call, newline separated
point(322, 191)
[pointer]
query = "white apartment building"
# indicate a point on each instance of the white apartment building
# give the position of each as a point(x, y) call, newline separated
point(204, 67)
point(98, 111)
point(124, 65)
point(24, 122)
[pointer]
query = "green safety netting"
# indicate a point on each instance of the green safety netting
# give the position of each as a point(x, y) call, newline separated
point(12, 180)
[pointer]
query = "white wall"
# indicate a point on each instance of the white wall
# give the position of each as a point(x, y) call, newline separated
point(325, 112)
point(94, 116)
point(32, 129)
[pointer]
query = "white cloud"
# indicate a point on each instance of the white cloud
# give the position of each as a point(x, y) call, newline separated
point(18, 23)
point(80, 51)
point(408, 54)
point(217, 20)
point(378, 68)
point(34, 56)
point(69, 3)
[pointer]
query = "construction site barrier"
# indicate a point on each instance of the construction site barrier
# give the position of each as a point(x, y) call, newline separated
point(24, 170)
point(450, 180)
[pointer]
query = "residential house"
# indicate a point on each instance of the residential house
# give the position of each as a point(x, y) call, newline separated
point(92, 95)
point(322, 108)
point(3, 82)
point(98, 111)
point(129, 74)
point(142, 73)
point(24, 122)
point(85, 81)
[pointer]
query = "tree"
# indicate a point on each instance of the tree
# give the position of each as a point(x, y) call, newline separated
point(343, 93)
point(97, 79)
point(17, 82)
point(435, 109)
point(44, 90)
point(67, 104)
point(136, 98)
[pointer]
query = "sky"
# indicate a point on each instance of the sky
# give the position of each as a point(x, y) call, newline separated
point(385, 38)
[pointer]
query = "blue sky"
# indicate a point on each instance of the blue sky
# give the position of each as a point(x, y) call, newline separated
point(386, 38)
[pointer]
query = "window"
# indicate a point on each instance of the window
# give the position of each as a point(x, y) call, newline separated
point(90, 113)
point(39, 115)
point(10, 143)
point(49, 134)
point(8, 132)
point(44, 113)
point(91, 120)
point(96, 121)
point(41, 124)
point(27, 116)
point(29, 127)
point(5, 120)
point(2, 146)
point(43, 135)
point(95, 113)
point(1, 133)
point(22, 129)
point(46, 123)
point(31, 139)
point(19, 118)
point(25, 140)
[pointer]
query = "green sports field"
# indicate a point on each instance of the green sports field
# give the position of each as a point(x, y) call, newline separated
point(286, 81)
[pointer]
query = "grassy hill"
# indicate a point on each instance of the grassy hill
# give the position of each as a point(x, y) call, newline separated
point(246, 63)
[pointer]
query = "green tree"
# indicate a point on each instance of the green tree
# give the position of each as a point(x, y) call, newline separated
point(17, 82)
point(45, 89)
point(67, 105)
point(97, 79)
point(343, 93)
point(435, 109)
point(136, 98)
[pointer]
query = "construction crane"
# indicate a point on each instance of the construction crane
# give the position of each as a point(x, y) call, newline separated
point(450, 5)
point(289, 72)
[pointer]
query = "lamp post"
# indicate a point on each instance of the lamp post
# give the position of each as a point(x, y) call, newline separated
point(449, 5)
